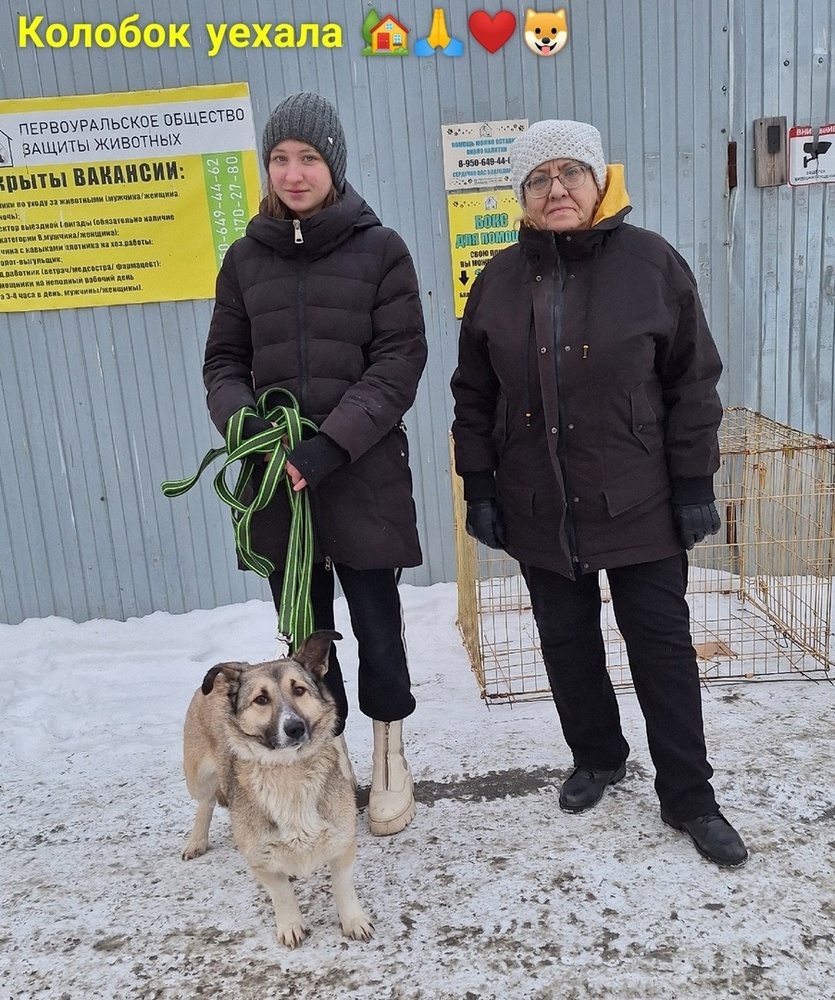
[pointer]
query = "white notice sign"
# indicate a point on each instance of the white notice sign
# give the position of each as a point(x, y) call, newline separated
point(811, 159)
point(477, 154)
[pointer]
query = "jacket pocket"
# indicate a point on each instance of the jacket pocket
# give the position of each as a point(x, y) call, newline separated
point(500, 424)
point(646, 426)
point(514, 498)
point(629, 493)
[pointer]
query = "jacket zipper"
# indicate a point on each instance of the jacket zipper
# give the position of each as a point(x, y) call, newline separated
point(301, 320)
point(297, 231)
point(562, 451)
point(302, 333)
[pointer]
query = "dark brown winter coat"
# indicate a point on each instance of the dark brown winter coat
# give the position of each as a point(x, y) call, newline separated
point(337, 320)
point(586, 383)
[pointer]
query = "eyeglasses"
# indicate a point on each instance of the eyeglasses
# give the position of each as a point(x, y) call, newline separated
point(539, 185)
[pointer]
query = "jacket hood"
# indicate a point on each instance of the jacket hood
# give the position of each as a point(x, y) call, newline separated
point(615, 203)
point(321, 233)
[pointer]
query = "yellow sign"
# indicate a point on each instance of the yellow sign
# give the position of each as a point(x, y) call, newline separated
point(479, 226)
point(122, 198)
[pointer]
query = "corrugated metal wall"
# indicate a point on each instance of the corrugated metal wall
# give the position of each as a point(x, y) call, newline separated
point(780, 356)
point(102, 404)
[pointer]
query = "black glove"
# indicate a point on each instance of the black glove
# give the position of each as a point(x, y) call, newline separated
point(485, 524)
point(254, 425)
point(694, 521)
point(317, 457)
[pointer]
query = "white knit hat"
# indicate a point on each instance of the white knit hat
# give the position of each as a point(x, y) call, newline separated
point(556, 140)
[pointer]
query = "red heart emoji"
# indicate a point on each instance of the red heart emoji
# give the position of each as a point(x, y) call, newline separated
point(492, 32)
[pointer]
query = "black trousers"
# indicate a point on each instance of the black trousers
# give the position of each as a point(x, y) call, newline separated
point(654, 619)
point(384, 686)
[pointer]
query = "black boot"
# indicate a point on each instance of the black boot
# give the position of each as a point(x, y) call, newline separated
point(584, 787)
point(714, 837)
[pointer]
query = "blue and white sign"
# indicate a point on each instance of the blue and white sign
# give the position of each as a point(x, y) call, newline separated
point(477, 154)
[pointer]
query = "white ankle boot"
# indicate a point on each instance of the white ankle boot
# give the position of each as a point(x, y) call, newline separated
point(391, 801)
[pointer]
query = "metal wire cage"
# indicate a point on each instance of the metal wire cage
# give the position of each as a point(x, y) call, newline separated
point(760, 591)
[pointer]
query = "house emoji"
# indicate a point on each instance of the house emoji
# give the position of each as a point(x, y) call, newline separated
point(388, 36)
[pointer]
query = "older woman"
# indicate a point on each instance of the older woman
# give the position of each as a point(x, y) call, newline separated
point(585, 431)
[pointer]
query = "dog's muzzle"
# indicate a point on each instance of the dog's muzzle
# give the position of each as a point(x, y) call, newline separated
point(290, 731)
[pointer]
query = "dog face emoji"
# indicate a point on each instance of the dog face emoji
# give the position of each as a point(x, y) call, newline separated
point(545, 34)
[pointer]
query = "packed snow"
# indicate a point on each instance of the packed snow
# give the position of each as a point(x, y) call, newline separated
point(492, 892)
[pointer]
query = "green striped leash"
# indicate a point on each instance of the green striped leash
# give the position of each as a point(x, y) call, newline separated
point(295, 613)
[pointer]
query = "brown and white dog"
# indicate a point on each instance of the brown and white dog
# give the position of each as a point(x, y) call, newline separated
point(259, 739)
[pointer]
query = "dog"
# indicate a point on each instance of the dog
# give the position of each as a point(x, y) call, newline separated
point(258, 739)
point(546, 34)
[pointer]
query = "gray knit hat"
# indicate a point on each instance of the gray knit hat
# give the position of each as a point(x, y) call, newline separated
point(556, 140)
point(313, 119)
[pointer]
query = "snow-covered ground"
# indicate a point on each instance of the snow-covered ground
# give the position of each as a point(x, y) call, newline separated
point(492, 892)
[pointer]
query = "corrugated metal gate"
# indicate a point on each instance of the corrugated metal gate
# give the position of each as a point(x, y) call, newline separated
point(102, 404)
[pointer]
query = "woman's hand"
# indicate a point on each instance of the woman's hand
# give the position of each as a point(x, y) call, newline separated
point(296, 478)
point(485, 523)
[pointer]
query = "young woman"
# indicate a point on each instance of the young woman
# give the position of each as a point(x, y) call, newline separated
point(321, 299)
point(586, 419)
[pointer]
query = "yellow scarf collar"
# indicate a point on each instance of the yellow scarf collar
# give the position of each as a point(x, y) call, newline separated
point(615, 197)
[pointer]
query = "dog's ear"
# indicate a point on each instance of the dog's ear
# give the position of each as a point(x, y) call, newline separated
point(314, 651)
point(231, 671)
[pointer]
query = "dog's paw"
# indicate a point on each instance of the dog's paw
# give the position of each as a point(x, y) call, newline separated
point(194, 848)
point(358, 927)
point(291, 934)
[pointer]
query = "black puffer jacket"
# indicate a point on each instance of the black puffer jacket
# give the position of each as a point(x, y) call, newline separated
point(328, 308)
point(585, 394)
